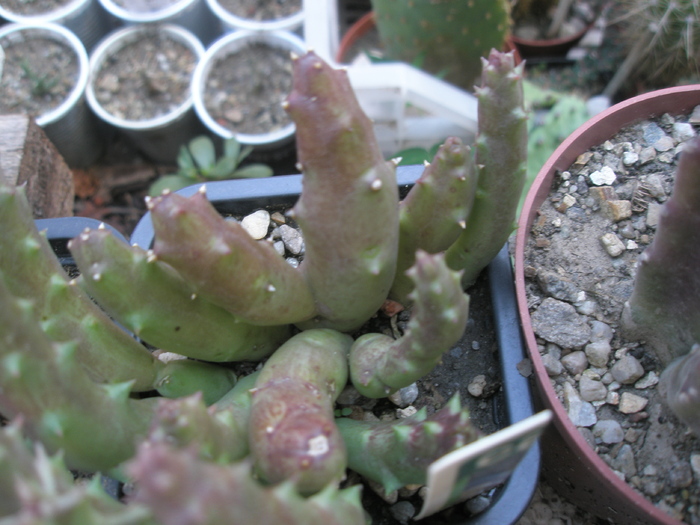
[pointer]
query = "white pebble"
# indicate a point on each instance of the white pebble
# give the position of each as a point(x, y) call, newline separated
point(604, 177)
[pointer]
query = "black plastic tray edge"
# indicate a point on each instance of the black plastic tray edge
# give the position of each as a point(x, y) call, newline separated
point(515, 495)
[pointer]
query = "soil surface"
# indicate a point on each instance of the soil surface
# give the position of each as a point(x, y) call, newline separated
point(262, 10)
point(33, 7)
point(578, 281)
point(147, 78)
point(245, 90)
point(38, 75)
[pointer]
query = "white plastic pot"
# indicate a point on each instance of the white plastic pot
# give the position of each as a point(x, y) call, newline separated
point(237, 42)
point(230, 22)
point(159, 138)
point(70, 125)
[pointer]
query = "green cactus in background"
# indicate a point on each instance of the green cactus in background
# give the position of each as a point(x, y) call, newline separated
point(197, 162)
point(447, 37)
point(662, 38)
point(210, 294)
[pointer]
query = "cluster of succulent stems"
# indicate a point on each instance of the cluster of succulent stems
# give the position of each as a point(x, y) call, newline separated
point(83, 386)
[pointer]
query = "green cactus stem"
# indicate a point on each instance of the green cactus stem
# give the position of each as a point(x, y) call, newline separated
point(501, 157)
point(65, 311)
point(38, 488)
point(348, 209)
point(149, 298)
point(398, 453)
point(664, 307)
point(219, 433)
point(448, 184)
point(445, 38)
point(96, 426)
point(180, 488)
point(292, 431)
point(680, 386)
point(380, 365)
point(227, 266)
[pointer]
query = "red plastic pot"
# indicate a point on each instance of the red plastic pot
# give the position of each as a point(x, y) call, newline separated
point(569, 463)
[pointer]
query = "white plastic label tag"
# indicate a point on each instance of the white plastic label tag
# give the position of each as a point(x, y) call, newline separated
point(481, 465)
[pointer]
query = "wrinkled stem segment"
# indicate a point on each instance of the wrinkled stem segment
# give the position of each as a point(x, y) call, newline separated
point(680, 386)
point(398, 453)
point(501, 158)
point(182, 489)
point(96, 426)
point(348, 206)
point(292, 431)
point(149, 298)
point(226, 265)
point(448, 184)
point(380, 365)
point(665, 304)
point(67, 314)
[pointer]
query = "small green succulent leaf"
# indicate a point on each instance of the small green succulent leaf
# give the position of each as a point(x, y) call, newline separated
point(232, 149)
point(244, 154)
point(223, 169)
point(169, 182)
point(254, 171)
point(202, 150)
point(186, 164)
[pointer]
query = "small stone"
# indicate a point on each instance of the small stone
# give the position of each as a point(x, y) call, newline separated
point(647, 155)
point(598, 353)
point(559, 323)
point(649, 380)
point(604, 177)
point(629, 158)
point(403, 413)
point(612, 244)
point(567, 202)
point(292, 239)
point(632, 403)
point(279, 247)
point(608, 431)
point(627, 370)
point(278, 218)
point(592, 390)
point(581, 413)
point(624, 461)
point(575, 362)
point(257, 224)
point(652, 133)
point(403, 511)
point(613, 398)
point(655, 186)
point(600, 331)
point(631, 245)
point(602, 194)
point(554, 285)
point(653, 212)
point(477, 386)
point(349, 396)
point(618, 210)
point(525, 367)
point(680, 476)
point(695, 464)
point(665, 143)
point(477, 505)
point(405, 396)
point(694, 117)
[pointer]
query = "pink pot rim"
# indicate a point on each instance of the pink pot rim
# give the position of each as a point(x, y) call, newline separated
point(595, 131)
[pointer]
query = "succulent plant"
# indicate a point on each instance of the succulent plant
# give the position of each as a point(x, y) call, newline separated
point(664, 308)
point(206, 294)
point(448, 37)
point(197, 162)
point(662, 40)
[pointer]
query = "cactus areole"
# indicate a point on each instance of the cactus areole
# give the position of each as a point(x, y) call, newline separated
point(206, 294)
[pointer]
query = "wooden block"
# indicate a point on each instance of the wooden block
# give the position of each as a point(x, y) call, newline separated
point(28, 157)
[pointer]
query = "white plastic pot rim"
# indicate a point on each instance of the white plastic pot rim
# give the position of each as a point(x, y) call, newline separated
point(289, 23)
point(57, 16)
point(118, 40)
point(164, 14)
point(229, 44)
point(20, 32)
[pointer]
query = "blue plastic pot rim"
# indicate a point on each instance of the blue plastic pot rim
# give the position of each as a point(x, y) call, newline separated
point(289, 23)
point(116, 41)
point(64, 36)
point(227, 45)
point(159, 15)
